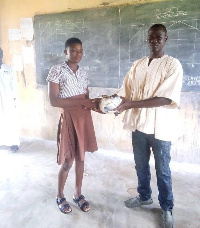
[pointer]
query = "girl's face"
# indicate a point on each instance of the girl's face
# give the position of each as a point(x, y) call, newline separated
point(74, 53)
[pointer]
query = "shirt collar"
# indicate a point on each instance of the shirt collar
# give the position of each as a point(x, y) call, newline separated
point(65, 65)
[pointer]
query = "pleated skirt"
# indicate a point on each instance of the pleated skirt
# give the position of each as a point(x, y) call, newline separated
point(75, 134)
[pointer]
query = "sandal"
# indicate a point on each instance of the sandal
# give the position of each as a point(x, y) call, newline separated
point(83, 205)
point(63, 207)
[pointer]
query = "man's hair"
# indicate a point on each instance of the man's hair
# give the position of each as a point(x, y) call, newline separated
point(159, 26)
point(71, 41)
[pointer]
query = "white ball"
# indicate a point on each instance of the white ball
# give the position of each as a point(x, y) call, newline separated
point(107, 104)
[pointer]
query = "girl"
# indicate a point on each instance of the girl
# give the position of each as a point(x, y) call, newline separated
point(68, 89)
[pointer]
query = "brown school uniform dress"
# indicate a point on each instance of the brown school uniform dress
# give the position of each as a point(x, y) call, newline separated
point(75, 129)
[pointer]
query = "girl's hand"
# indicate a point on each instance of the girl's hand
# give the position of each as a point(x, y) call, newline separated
point(93, 105)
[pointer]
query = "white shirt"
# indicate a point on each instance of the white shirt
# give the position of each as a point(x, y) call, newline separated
point(162, 78)
point(71, 84)
point(9, 122)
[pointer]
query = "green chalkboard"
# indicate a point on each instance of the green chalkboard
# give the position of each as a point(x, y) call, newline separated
point(115, 37)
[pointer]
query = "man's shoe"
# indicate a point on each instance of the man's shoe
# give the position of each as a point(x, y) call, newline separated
point(167, 219)
point(14, 148)
point(137, 202)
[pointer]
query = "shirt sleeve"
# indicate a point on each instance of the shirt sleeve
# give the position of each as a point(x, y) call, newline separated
point(172, 84)
point(54, 74)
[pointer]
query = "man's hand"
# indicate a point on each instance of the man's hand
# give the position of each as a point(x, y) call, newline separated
point(125, 104)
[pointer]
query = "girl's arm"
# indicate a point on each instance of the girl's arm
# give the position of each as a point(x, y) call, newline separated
point(56, 101)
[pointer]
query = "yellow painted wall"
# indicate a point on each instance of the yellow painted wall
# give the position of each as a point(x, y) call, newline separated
point(37, 117)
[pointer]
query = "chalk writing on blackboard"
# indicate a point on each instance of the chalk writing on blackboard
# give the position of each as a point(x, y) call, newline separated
point(136, 35)
point(169, 12)
point(59, 26)
point(184, 22)
point(113, 38)
point(56, 32)
point(192, 81)
point(183, 43)
point(90, 68)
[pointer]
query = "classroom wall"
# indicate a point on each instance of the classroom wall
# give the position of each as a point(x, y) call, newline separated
point(39, 119)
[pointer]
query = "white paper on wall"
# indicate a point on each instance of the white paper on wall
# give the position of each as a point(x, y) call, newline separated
point(26, 26)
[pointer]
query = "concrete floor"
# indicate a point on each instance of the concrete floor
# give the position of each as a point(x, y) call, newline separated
point(28, 183)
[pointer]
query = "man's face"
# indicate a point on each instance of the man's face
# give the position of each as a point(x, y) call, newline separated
point(1, 56)
point(156, 39)
point(74, 53)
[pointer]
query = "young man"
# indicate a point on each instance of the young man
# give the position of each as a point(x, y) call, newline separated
point(68, 90)
point(9, 130)
point(151, 94)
